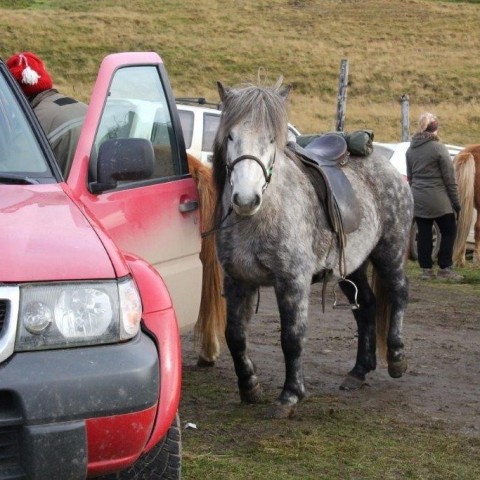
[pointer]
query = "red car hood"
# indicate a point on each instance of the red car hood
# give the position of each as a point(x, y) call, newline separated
point(44, 236)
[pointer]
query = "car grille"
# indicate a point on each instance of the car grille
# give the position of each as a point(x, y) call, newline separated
point(10, 468)
point(3, 313)
point(9, 305)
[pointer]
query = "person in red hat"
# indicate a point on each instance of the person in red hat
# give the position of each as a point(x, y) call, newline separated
point(61, 117)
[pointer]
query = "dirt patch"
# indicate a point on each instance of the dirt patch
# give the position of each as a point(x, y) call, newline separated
point(442, 339)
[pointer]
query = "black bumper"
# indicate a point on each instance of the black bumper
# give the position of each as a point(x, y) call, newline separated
point(46, 396)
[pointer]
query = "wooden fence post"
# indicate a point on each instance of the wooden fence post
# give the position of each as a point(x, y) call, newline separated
point(342, 96)
point(405, 118)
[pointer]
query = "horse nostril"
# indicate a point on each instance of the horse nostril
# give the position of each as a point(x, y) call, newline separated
point(257, 200)
point(235, 199)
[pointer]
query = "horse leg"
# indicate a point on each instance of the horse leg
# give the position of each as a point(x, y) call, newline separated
point(292, 300)
point(240, 304)
point(365, 318)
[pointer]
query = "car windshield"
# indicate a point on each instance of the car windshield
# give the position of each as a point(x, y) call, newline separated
point(20, 153)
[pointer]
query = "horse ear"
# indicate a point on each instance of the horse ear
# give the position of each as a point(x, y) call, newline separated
point(222, 91)
point(284, 91)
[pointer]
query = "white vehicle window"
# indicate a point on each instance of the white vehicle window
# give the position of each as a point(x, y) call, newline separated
point(186, 119)
point(210, 127)
point(137, 108)
point(387, 152)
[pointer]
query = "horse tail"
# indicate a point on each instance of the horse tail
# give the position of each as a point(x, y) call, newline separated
point(211, 320)
point(383, 306)
point(382, 314)
point(464, 165)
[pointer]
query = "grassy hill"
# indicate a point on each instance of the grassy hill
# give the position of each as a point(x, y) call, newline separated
point(426, 49)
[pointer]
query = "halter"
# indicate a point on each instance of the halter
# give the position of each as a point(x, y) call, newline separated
point(266, 173)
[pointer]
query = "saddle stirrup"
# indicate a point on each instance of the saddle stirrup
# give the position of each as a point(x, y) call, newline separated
point(353, 306)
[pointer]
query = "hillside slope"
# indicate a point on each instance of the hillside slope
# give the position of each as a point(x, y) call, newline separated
point(425, 49)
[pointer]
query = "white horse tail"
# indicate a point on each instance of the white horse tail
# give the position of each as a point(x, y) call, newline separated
point(464, 165)
point(211, 320)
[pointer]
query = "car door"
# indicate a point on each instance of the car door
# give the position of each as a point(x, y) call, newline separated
point(156, 219)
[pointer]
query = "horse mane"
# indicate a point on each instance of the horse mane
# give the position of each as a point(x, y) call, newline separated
point(264, 106)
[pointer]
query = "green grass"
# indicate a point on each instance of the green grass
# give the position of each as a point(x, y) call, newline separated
point(426, 49)
point(327, 442)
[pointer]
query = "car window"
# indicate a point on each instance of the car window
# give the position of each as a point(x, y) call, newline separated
point(137, 108)
point(210, 127)
point(19, 148)
point(186, 119)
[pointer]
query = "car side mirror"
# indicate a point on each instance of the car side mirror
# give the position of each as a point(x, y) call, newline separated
point(122, 159)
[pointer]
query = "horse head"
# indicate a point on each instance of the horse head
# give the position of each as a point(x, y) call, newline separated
point(252, 128)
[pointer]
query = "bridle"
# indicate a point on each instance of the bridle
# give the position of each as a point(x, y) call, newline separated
point(266, 173)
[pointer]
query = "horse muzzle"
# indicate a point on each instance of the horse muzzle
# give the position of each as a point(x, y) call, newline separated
point(246, 205)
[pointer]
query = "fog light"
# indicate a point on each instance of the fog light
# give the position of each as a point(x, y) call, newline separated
point(38, 317)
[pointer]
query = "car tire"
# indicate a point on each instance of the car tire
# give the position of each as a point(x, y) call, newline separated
point(413, 241)
point(162, 462)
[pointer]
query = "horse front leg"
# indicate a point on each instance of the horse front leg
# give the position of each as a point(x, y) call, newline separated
point(240, 304)
point(292, 300)
point(365, 317)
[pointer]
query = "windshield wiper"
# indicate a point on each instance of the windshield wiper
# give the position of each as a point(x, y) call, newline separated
point(16, 179)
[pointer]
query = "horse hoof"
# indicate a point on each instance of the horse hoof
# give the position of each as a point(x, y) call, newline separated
point(397, 368)
point(352, 383)
point(280, 410)
point(254, 395)
point(204, 363)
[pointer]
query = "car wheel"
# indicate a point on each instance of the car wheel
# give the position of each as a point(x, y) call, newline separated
point(162, 462)
point(413, 241)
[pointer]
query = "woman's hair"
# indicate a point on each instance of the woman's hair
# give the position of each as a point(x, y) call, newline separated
point(427, 122)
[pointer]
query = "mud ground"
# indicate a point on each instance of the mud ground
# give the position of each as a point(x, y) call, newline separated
point(442, 340)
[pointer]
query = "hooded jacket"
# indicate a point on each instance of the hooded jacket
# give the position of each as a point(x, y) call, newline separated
point(61, 118)
point(431, 176)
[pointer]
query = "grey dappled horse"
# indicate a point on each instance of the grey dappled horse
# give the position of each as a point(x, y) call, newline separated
point(273, 231)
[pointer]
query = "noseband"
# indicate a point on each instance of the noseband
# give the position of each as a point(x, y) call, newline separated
point(266, 173)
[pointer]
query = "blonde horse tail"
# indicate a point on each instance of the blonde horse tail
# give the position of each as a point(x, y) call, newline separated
point(382, 315)
point(383, 308)
point(211, 320)
point(464, 165)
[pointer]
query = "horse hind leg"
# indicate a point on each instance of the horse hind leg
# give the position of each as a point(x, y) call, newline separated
point(365, 319)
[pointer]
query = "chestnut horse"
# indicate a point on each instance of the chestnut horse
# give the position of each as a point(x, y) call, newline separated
point(211, 320)
point(467, 172)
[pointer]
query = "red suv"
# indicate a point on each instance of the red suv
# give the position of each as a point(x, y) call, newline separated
point(98, 271)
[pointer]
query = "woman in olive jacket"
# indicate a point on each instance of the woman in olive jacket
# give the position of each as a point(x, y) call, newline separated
point(431, 176)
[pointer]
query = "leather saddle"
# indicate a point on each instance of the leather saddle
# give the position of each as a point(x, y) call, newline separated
point(327, 154)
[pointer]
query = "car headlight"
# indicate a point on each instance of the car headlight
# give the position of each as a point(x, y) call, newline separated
point(70, 314)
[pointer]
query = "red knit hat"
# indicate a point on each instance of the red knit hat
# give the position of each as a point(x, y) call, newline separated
point(30, 73)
